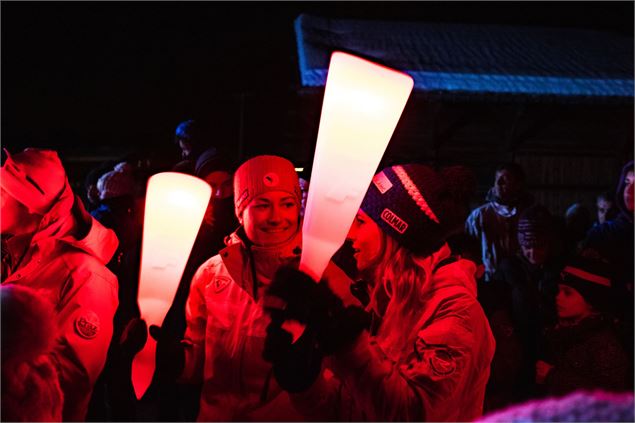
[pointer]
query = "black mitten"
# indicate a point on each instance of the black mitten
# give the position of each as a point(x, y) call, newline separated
point(295, 365)
point(170, 354)
point(297, 291)
point(315, 305)
point(343, 329)
point(133, 338)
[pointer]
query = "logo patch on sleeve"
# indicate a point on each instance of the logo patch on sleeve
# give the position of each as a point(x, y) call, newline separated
point(382, 182)
point(394, 221)
point(442, 363)
point(87, 324)
point(220, 283)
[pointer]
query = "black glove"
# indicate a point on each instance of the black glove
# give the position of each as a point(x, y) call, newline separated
point(315, 305)
point(295, 365)
point(170, 354)
point(134, 337)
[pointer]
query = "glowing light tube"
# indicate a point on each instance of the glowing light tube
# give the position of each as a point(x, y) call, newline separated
point(175, 205)
point(362, 105)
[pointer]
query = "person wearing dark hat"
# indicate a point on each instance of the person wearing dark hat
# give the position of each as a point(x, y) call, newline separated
point(421, 349)
point(52, 245)
point(494, 223)
point(192, 137)
point(605, 208)
point(613, 240)
point(118, 210)
point(582, 350)
point(174, 401)
point(519, 302)
point(225, 321)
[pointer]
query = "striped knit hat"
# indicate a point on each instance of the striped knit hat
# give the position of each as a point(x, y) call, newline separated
point(418, 206)
point(263, 174)
point(591, 278)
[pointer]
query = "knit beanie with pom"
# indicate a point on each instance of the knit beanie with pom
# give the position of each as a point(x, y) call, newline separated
point(419, 206)
point(264, 174)
point(116, 183)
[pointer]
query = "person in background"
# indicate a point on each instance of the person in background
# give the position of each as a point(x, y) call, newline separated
point(582, 351)
point(118, 210)
point(52, 245)
point(519, 303)
point(90, 185)
point(179, 402)
point(494, 224)
point(421, 350)
point(612, 241)
point(192, 138)
point(30, 386)
point(605, 208)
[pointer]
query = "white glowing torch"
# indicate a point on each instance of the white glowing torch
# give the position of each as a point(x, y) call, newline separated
point(174, 210)
point(362, 105)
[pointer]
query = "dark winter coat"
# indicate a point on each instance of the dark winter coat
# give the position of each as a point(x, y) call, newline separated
point(586, 355)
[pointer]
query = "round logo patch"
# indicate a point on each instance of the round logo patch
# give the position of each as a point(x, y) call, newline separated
point(87, 324)
point(442, 363)
point(271, 179)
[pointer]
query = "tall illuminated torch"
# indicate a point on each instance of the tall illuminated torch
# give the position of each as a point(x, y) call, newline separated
point(174, 210)
point(362, 105)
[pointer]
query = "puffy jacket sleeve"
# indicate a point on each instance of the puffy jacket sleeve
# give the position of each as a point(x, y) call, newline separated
point(86, 310)
point(196, 321)
point(417, 387)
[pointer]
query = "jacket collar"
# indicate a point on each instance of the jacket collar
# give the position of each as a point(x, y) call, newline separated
point(58, 227)
point(237, 254)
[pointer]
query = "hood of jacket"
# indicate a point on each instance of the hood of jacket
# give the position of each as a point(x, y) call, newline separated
point(619, 193)
point(64, 222)
point(459, 273)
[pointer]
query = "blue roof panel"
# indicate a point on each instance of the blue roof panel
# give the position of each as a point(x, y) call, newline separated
point(483, 60)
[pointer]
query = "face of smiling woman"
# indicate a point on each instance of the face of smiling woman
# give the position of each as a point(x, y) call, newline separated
point(271, 218)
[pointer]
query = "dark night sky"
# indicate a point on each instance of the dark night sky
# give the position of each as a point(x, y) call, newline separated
point(97, 76)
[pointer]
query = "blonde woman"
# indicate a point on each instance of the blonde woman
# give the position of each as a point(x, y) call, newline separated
point(423, 352)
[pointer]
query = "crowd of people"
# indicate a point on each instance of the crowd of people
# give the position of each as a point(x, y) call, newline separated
point(429, 312)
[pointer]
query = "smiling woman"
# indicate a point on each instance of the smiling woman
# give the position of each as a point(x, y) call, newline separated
point(271, 218)
point(226, 325)
point(423, 344)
